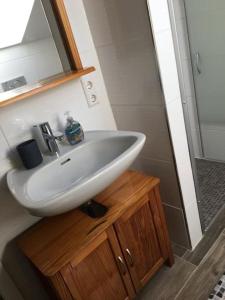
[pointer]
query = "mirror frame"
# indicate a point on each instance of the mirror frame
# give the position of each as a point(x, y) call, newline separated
point(60, 13)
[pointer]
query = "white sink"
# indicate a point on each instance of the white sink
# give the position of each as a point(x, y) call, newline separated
point(80, 173)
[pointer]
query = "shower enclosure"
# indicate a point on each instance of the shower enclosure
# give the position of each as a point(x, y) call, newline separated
point(207, 41)
point(206, 32)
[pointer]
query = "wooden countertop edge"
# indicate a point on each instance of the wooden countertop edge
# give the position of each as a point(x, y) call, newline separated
point(53, 267)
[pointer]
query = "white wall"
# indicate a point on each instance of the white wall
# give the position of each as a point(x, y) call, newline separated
point(162, 31)
point(123, 39)
point(35, 61)
point(37, 26)
point(15, 123)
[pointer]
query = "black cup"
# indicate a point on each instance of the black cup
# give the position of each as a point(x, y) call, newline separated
point(30, 154)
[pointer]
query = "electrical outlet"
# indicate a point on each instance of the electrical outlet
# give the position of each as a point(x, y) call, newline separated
point(13, 83)
point(89, 90)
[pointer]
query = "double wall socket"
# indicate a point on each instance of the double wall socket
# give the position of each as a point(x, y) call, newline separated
point(13, 83)
point(89, 90)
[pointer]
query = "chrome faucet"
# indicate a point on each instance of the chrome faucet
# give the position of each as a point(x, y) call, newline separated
point(49, 138)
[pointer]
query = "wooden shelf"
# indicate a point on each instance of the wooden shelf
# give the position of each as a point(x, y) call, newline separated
point(45, 85)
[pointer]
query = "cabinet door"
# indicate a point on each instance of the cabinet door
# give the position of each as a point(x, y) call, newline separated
point(100, 272)
point(139, 242)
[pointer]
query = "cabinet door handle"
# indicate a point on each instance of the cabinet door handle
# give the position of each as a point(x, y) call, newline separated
point(130, 258)
point(122, 265)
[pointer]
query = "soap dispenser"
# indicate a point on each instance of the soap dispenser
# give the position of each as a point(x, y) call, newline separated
point(73, 131)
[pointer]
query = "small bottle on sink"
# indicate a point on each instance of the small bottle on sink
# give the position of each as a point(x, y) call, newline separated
point(73, 131)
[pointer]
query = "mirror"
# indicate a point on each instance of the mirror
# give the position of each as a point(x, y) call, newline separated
point(35, 48)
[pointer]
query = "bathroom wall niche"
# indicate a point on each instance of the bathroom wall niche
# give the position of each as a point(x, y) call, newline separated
point(37, 48)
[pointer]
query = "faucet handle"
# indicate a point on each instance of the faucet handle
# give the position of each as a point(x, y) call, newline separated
point(49, 138)
point(45, 128)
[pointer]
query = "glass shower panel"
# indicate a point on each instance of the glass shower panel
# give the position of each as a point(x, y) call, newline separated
point(206, 24)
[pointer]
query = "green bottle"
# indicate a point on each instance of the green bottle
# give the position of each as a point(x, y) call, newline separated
point(73, 131)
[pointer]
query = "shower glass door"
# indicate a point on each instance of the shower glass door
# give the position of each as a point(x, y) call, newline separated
point(206, 24)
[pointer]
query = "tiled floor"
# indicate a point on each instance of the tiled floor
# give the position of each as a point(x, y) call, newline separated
point(168, 281)
point(194, 274)
point(211, 182)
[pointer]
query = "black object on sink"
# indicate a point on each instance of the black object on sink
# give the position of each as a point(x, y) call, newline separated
point(30, 154)
point(94, 209)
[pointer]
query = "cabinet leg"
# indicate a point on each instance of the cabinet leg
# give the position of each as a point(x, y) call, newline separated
point(170, 261)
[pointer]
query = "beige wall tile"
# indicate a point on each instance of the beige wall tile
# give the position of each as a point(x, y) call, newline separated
point(127, 58)
point(176, 225)
point(146, 119)
point(166, 172)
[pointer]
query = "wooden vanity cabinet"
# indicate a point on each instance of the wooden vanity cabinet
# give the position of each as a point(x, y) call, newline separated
point(110, 258)
point(100, 271)
point(140, 241)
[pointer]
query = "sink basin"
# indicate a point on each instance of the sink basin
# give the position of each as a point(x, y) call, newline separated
point(80, 173)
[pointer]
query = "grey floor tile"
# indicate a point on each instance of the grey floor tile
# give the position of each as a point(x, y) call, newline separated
point(167, 282)
point(211, 182)
point(178, 250)
point(209, 238)
point(207, 274)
